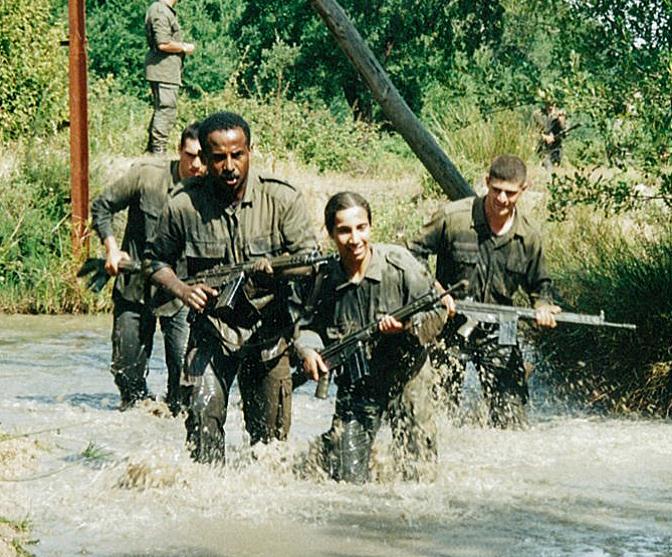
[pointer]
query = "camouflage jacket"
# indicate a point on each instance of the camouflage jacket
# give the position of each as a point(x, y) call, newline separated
point(143, 190)
point(495, 266)
point(270, 220)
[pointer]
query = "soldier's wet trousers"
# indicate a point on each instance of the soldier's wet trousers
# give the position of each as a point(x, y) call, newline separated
point(132, 342)
point(164, 102)
point(265, 389)
point(500, 371)
point(359, 411)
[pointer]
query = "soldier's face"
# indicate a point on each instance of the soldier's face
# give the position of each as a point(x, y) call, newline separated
point(190, 159)
point(229, 159)
point(502, 197)
point(351, 234)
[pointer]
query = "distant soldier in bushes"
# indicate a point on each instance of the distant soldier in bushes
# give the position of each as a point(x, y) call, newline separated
point(163, 69)
point(488, 242)
point(553, 123)
point(144, 191)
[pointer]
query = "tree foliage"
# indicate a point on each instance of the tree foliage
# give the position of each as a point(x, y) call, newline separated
point(33, 68)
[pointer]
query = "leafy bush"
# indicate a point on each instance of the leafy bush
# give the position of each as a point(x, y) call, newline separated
point(36, 267)
point(624, 269)
point(33, 68)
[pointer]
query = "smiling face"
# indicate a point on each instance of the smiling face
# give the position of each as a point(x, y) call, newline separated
point(228, 160)
point(351, 234)
point(501, 198)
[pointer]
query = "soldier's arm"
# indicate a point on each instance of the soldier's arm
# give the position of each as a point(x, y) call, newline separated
point(114, 199)
point(428, 241)
point(539, 288)
point(163, 36)
point(296, 229)
point(161, 254)
point(426, 325)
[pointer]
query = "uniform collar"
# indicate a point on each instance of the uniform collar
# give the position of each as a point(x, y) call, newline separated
point(248, 196)
point(518, 228)
point(374, 271)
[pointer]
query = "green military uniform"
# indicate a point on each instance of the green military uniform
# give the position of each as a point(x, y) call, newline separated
point(397, 378)
point(163, 70)
point(270, 220)
point(143, 191)
point(496, 267)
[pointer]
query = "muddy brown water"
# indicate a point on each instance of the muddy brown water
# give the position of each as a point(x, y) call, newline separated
point(104, 483)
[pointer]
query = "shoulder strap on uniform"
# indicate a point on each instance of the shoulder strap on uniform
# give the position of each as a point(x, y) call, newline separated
point(275, 181)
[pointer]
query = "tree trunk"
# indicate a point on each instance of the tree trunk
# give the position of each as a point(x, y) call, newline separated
point(395, 108)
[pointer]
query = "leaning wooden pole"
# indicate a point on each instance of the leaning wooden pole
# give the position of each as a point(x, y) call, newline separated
point(394, 106)
point(79, 136)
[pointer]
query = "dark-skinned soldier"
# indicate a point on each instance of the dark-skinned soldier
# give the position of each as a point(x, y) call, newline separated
point(232, 215)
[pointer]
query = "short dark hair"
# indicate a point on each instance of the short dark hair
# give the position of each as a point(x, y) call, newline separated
point(340, 201)
point(508, 168)
point(222, 121)
point(190, 132)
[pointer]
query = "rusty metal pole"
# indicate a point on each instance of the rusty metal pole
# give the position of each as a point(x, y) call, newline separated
point(79, 135)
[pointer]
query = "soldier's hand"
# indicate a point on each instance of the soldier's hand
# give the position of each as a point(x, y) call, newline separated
point(196, 296)
point(262, 265)
point(388, 325)
point(544, 315)
point(188, 48)
point(313, 365)
point(114, 257)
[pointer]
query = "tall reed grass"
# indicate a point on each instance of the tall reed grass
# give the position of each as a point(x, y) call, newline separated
point(625, 269)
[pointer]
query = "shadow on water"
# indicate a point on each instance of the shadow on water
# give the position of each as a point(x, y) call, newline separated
point(97, 401)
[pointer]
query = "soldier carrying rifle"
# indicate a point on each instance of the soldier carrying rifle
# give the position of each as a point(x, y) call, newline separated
point(390, 377)
point(486, 241)
point(232, 215)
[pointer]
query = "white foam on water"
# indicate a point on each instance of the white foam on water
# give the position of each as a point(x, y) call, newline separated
point(104, 483)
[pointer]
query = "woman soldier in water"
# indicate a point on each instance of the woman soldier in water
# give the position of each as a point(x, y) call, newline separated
point(391, 377)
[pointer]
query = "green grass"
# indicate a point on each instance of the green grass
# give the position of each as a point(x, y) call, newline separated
point(624, 268)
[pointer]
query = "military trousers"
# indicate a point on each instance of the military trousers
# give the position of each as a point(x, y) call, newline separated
point(132, 342)
point(500, 371)
point(360, 408)
point(265, 390)
point(164, 103)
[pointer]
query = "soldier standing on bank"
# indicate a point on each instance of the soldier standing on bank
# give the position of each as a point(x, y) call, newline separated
point(144, 191)
point(163, 69)
point(232, 215)
point(488, 242)
point(394, 376)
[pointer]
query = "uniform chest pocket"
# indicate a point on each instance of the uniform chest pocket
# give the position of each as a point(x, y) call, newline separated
point(261, 246)
point(465, 253)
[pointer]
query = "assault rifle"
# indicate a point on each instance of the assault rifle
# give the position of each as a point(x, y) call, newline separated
point(99, 277)
point(349, 355)
point(507, 318)
point(230, 279)
point(227, 278)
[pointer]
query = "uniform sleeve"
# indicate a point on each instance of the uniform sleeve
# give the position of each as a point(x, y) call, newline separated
point(166, 244)
point(296, 228)
point(113, 199)
point(426, 325)
point(538, 281)
point(161, 27)
point(428, 241)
